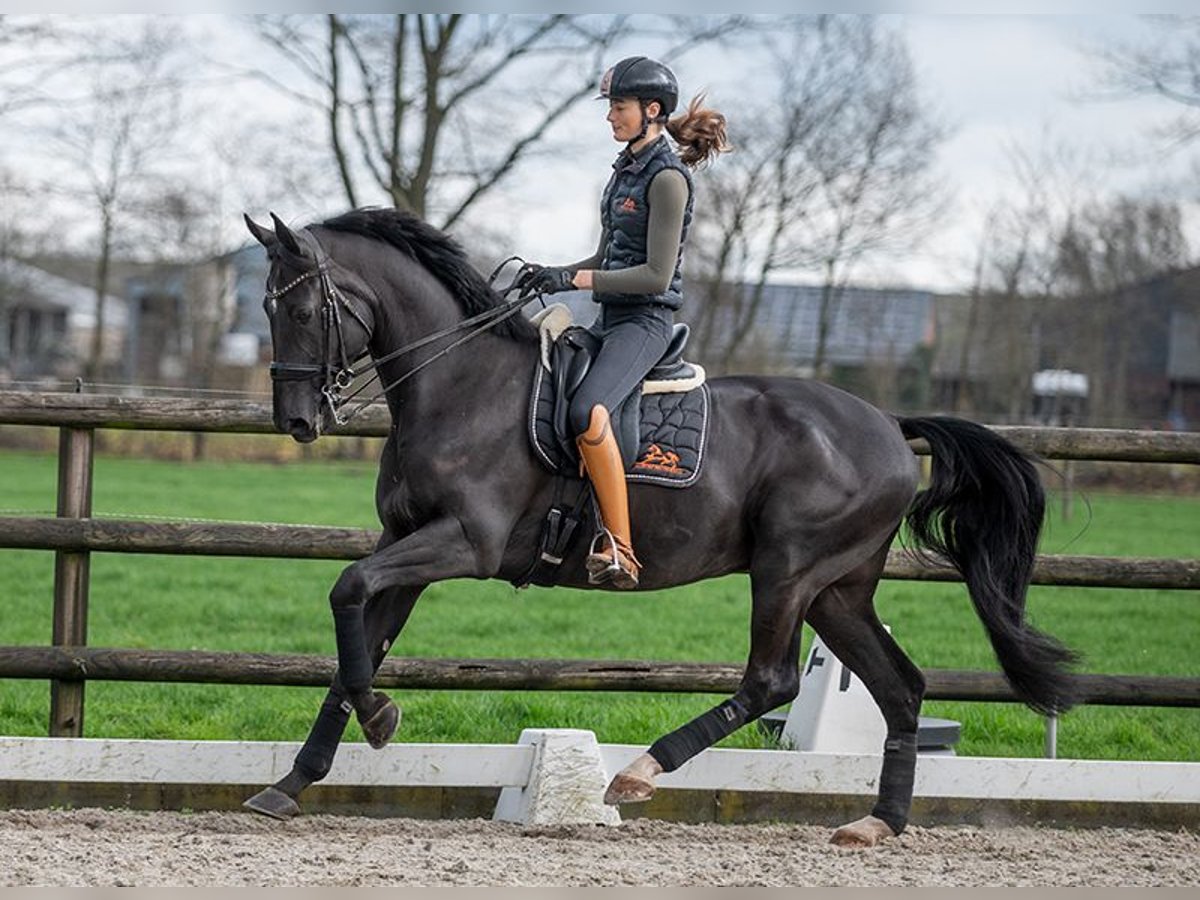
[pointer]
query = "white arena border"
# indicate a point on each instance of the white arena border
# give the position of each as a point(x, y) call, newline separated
point(548, 774)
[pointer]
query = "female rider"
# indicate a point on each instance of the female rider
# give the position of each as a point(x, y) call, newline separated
point(634, 276)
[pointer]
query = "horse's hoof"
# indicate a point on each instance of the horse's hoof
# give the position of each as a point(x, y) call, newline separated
point(628, 789)
point(868, 831)
point(274, 803)
point(381, 724)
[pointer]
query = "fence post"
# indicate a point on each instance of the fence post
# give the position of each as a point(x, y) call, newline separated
point(75, 447)
point(1051, 743)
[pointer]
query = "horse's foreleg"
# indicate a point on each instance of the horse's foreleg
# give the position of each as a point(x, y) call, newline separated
point(434, 552)
point(772, 678)
point(845, 618)
point(384, 615)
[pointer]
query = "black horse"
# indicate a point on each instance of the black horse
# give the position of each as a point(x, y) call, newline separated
point(805, 487)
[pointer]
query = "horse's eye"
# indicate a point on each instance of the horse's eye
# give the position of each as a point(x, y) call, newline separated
point(302, 315)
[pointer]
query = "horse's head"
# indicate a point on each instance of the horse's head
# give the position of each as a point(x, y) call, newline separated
point(321, 322)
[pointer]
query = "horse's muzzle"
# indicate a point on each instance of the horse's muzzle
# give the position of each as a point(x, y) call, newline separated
point(302, 430)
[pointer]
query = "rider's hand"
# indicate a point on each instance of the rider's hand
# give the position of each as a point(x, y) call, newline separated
point(545, 280)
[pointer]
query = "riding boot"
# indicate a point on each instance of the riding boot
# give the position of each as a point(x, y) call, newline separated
point(612, 550)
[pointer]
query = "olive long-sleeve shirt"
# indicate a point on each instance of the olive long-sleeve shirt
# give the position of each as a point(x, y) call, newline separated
point(667, 197)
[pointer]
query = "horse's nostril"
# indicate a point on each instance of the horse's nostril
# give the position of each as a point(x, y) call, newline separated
point(301, 430)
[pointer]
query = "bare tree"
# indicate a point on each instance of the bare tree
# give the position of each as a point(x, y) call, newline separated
point(962, 401)
point(1020, 273)
point(11, 286)
point(1107, 255)
point(872, 171)
point(433, 111)
point(739, 206)
point(31, 48)
point(837, 170)
point(1166, 65)
point(755, 197)
point(1057, 283)
point(114, 140)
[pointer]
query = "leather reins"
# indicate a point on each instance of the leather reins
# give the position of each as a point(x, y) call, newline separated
point(337, 378)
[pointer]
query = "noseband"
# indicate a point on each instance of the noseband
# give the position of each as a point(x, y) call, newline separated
point(336, 379)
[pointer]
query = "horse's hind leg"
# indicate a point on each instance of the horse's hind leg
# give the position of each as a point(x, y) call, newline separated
point(772, 678)
point(844, 616)
point(384, 616)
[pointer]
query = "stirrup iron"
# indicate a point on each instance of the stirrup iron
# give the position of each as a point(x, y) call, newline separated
point(601, 570)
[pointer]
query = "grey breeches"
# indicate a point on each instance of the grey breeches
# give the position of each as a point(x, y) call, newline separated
point(633, 341)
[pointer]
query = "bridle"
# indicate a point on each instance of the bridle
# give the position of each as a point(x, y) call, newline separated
point(336, 378)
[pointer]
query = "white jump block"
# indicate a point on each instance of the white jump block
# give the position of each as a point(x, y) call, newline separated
point(834, 712)
point(566, 782)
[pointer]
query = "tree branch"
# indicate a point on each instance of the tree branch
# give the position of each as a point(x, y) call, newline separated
point(335, 106)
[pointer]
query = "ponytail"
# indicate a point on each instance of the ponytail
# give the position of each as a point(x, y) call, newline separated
point(699, 132)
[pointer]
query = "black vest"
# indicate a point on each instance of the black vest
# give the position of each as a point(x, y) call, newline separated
point(625, 217)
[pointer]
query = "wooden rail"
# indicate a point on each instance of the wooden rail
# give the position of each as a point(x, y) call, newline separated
point(204, 667)
point(249, 417)
point(74, 535)
point(323, 542)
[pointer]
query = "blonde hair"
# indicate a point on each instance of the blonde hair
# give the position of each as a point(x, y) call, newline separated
point(699, 132)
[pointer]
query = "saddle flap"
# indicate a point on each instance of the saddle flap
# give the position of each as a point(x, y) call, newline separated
point(662, 436)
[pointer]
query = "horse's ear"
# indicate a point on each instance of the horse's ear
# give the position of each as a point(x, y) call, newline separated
point(289, 240)
point(262, 235)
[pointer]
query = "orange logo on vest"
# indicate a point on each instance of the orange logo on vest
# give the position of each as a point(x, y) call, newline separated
point(628, 205)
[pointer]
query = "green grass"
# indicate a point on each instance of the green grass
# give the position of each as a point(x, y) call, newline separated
point(280, 606)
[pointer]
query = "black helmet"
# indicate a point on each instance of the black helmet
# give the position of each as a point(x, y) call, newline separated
point(644, 79)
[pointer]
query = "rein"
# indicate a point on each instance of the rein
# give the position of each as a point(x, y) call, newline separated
point(338, 379)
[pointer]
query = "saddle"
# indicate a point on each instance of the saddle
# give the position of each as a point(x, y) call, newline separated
point(661, 428)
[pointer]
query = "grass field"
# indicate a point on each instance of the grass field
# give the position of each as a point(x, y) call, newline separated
point(280, 606)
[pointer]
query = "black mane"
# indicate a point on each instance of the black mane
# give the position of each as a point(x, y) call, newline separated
point(437, 252)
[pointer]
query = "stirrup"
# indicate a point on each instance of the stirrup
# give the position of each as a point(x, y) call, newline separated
point(605, 565)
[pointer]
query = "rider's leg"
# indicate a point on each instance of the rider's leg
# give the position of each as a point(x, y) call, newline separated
point(602, 461)
point(629, 350)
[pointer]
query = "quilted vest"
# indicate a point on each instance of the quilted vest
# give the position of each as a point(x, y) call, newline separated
point(625, 217)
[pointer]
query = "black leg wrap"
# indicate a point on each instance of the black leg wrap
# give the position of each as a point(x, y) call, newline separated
point(354, 663)
point(676, 748)
point(294, 783)
point(316, 756)
point(896, 780)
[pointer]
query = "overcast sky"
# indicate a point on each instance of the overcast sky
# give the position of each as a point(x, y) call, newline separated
point(1031, 81)
point(997, 81)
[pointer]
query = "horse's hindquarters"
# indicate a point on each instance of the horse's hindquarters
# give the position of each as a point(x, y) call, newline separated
point(791, 464)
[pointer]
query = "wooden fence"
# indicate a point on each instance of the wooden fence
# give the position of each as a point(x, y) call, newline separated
point(73, 535)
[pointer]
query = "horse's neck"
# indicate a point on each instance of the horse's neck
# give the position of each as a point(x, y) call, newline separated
point(466, 379)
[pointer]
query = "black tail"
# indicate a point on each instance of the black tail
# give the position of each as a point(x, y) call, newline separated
point(983, 511)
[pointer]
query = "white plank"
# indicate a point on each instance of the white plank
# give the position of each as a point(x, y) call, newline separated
point(505, 765)
point(937, 776)
point(237, 762)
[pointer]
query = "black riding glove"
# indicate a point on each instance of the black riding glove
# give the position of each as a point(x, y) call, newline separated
point(545, 280)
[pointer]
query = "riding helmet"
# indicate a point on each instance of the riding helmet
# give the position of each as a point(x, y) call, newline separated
point(644, 79)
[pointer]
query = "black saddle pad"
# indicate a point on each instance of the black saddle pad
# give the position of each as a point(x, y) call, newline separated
point(671, 435)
